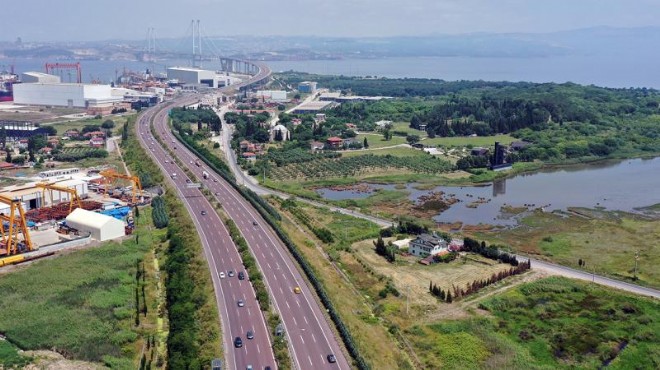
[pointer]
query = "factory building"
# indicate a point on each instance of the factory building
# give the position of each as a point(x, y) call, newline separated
point(194, 76)
point(272, 95)
point(33, 197)
point(101, 227)
point(32, 77)
point(314, 107)
point(70, 95)
point(307, 87)
point(17, 130)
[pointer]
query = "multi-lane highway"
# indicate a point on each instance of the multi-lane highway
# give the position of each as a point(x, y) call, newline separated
point(222, 257)
point(308, 330)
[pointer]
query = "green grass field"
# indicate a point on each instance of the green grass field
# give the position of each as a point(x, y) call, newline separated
point(81, 303)
point(405, 127)
point(607, 243)
point(377, 141)
point(462, 141)
point(397, 152)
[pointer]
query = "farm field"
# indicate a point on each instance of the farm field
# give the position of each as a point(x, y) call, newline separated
point(62, 127)
point(83, 303)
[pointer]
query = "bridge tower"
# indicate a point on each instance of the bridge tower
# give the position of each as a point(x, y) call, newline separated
point(196, 44)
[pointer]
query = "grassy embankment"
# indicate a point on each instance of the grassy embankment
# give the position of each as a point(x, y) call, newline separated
point(83, 304)
point(606, 241)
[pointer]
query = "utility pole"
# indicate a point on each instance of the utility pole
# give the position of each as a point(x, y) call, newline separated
point(636, 258)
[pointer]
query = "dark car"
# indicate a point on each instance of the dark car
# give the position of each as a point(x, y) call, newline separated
point(250, 334)
point(238, 342)
point(203, 213)
point(254, 223)
point(241, 275)
point(230, 273)
point(331, 358)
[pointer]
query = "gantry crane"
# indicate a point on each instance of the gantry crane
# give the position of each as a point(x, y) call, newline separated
point(74, 199)
point(111, 175)
point(16, 226)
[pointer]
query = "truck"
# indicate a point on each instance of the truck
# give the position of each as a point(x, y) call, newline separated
point(205, 174)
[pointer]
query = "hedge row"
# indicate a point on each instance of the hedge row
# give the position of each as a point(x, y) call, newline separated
point(222, 169)
point(159, 213)
point(250, 265)
point(307, 269)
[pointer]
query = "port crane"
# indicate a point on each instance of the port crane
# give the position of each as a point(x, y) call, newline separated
point(16, 225)
point(111, 176)
point(74, 199)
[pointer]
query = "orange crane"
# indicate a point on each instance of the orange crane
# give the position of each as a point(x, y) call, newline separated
point(74, 199)
point(17, 224)
point(111, 175)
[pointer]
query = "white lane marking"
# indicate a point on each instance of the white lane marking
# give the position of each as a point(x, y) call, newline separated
point(303, 339)
point(310, 361)
point(305, 317)
point(249, 312)
point(289, 307)
point(314, 337)
point(298, 302)
point(295, 321)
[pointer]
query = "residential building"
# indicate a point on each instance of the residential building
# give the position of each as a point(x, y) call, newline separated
point(427, 245)
point(334, 142)
point(97, 142)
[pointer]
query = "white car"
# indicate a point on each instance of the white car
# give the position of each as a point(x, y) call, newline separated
point(222, 275)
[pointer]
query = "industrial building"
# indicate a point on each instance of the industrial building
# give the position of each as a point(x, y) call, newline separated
point(272, 95)
point(101, 227)
point(307, 87)
point(32, 77)
point(70, 95)
point(17, 130)
point(314, 107)
point(195, 76)
point(33, 197)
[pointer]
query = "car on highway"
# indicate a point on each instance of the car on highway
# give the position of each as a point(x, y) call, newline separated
point(222, 275)
point(173, 141)
point(297, 290)
point(238, 342)
point(249, 367)
point(241, 303)
point(331, 358)
point(255, 223)
point(230, 273)
point(241, 275)
point(203, 213)
point(188, 181)
point(250, 334)
point(215, 180)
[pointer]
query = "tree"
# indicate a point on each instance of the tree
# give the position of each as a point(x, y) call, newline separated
point(3, 136)
point(108, 124)
point(8, 158)
point(36, 142)
point(412, 139)
point(31, 156)
point(365, 143)
point(449, 298)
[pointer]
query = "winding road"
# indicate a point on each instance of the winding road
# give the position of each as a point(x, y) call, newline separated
point(253, 185)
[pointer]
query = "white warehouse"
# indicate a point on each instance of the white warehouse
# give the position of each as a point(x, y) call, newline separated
point(192, 76)
point(101, 227)
point(29, 77)
point(64, 95)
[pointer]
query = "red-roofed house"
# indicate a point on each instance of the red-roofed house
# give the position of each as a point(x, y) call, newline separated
point(334, 142)
point(95, 134)
point(249, 156)
point(6, 166)
point(96, 142)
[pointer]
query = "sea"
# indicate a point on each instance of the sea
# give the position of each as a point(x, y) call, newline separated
point(622, 71)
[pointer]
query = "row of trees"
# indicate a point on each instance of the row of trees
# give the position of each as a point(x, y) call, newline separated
point(387, 251)
point(159, 213)
point(470, 288)
point(491, 252)
point(201, 114)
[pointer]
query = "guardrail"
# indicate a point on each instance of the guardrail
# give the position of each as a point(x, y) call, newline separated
point(271, 218)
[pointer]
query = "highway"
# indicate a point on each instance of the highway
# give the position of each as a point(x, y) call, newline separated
point(222, 256)
point(309, 332)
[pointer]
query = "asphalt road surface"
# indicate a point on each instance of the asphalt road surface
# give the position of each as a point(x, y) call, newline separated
point(308, 330)
point(222, 256)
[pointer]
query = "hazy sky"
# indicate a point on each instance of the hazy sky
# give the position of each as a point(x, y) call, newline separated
point(48, 20)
